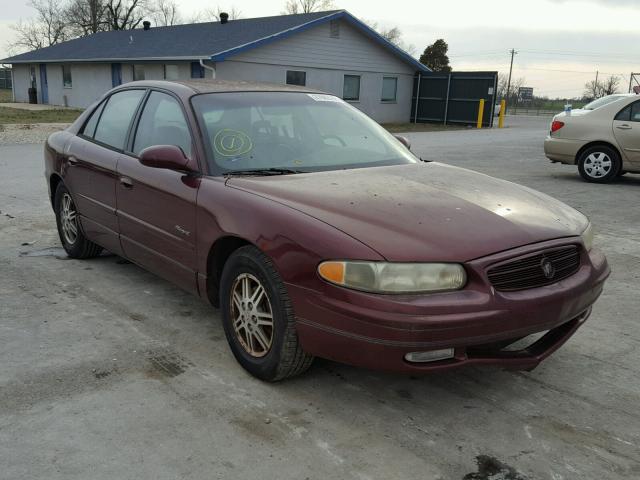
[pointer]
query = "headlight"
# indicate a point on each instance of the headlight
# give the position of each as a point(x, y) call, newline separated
point(382, 277)
point(587, 237)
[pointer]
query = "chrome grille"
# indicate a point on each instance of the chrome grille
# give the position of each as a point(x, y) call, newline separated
point(535, 270)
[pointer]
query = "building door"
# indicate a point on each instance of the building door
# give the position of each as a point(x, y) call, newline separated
point(44, 86)
point(116, 74)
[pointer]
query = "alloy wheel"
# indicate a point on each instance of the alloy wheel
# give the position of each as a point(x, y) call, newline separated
point(69, 219)
point(251, 315)
point(597, 165)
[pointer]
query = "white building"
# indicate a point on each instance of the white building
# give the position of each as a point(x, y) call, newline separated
point(331, 51)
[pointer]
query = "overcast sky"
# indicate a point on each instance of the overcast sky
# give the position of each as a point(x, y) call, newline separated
point(561, 43)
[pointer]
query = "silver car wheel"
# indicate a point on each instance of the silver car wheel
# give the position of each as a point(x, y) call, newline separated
point(251, 315)
point(69, 219)
point(597, 164)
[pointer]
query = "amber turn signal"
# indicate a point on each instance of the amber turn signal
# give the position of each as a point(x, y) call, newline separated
point(332, 272)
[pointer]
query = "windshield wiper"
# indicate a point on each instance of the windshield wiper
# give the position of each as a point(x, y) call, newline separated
point(263, 171)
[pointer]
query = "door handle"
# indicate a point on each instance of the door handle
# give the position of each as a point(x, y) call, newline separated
point(624, 127)
point(126, 182)
point(72, 160)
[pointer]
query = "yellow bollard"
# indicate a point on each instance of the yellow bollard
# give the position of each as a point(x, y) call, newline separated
point(480, 112)
point(503, 107)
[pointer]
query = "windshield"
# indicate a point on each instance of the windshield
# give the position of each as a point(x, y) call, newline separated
point(299, 132)
point(601, 102)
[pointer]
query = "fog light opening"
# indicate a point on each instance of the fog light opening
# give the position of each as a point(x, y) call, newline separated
point(430, 356)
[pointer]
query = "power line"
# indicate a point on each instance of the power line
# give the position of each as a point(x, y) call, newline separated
point(566, 71)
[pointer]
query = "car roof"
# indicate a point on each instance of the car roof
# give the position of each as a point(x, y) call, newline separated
point(217, 86)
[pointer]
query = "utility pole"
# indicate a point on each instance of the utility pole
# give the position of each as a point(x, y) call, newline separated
point(595, 86)
point(513, 52)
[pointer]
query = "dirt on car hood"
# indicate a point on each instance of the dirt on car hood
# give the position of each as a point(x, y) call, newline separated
point(423, 212)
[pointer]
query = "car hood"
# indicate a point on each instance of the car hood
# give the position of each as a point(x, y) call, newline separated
point(423, 212)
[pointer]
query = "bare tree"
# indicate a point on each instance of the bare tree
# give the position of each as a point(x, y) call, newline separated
point(308, 6)
point(596, 89)
point(165, 13)
point(87, 16)
point(593, 89)
point(125, 14)
point(516, 83)
point(393, 35)
point(610, 85)
point(47, 28)
point(213, 14)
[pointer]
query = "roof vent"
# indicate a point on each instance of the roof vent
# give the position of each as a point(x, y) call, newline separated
point(224, 17)
point(146, 25)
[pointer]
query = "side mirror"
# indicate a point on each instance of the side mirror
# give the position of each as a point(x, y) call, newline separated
point(166, 156)
point(404, 140)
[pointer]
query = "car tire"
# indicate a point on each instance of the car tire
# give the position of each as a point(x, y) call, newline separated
point(71, 235)
point(270, 353)
point(599, 164)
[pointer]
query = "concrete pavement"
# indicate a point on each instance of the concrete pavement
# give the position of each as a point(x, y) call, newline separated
point(109, 372)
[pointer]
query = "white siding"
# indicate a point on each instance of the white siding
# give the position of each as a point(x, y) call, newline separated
point(326, 60)
point(316, 48)
point(88, 82)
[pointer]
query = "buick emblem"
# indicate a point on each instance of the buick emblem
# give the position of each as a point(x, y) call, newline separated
point(547, 268)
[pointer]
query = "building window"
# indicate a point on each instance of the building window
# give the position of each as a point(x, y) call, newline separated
point(389, 89)
point(171, 72)
point(66, 76)
point(351, 89)
point(138, 72)
point(334, 29)
point(295, 77)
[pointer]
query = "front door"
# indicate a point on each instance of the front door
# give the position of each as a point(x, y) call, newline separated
point(44, 85)
point(90, 164)
point(157, 207)
point(626, 128)
point(116, 74)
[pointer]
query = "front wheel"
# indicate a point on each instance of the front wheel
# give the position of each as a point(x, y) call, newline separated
point(258, 317)
point(73, 240)
point(599, 164)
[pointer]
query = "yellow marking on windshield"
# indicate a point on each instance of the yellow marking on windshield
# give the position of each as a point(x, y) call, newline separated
point(232, 143)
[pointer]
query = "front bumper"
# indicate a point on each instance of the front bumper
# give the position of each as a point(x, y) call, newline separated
point(377, 331)
point(562, 150)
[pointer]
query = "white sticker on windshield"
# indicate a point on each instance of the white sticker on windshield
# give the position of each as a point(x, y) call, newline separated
point(324, 98)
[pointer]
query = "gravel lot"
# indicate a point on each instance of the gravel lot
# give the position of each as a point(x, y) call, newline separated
point(110, 372)
point(28, 133)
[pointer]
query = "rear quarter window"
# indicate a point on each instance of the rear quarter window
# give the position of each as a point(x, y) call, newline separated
point(90, 127)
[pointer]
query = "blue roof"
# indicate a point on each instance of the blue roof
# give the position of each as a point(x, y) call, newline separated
point(211, 40)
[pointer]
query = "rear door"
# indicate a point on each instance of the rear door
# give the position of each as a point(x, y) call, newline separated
point(157, 207)
point(626, 128)
point(90, 166)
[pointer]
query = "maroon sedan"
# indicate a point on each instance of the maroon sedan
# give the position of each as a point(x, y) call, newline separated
point(318, 233)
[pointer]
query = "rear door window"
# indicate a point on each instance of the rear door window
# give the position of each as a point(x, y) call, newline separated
point(162, 123)
point(116, 117)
